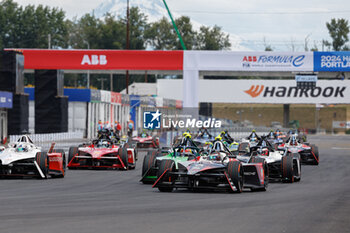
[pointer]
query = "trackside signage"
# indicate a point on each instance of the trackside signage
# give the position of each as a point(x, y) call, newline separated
point(275, 91)
point(332, 61)
point(248, 61)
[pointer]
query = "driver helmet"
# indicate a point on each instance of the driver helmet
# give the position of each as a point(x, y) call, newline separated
point(293, 141)
point(215, 157)
point(186, 135)
point(218, 138)
point(20, 148)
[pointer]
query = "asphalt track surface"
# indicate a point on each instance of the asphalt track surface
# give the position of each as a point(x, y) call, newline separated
point(115, 201)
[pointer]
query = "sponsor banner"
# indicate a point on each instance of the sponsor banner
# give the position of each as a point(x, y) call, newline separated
point(341, 124)
point(75, 94)
point(102, 59)
point(248, 61)
point(5, 99)
point(332, 61)
point(105, 96)
point(116, 98)
point(274, 91)
point(95, 95)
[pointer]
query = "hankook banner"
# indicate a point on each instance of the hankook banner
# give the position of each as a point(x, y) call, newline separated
point(273, 91)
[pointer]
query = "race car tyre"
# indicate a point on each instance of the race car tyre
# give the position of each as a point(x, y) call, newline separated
point(296, 167)
point(71, 153)
point(235, 172)
point(43, 162)
point(166, 164)
point(287, 169)
point(123, 153)
point(63, 162)
point(148, 161)
point(266, 172)
point(314, 151)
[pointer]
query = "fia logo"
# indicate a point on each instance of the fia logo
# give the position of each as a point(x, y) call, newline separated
point(151, 120)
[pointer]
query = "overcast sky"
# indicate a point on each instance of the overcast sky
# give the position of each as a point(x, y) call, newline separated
point(281, 23)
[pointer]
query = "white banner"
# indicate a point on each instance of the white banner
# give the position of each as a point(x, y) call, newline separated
point(261, 91)
point(341, 124)
point(248, 61)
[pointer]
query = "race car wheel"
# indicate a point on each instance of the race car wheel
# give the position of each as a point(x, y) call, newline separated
point(148, 161)
point(43, 162)
point(296, 167)
point(123, 153)
point(235, 173)
point(63, 162)
point(166, 164)
point(71, 153)
point(287, 169)
point(314, 151)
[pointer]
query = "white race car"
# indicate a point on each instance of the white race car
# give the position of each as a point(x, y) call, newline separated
point(23, 158)
point(283, 165)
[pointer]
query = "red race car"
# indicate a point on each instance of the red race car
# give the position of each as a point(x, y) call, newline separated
point(102, 154)
point(145, 141)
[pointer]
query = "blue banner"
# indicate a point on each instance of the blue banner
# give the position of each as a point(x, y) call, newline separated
point(332, 61)
point(5, 99)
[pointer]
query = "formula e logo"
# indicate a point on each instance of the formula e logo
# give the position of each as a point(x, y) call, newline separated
point(151, 120)
point(255, 91)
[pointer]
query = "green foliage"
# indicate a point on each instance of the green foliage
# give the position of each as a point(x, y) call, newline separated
point(212, 39)
point(30, 26)
point(338, 30)
point(161, 35)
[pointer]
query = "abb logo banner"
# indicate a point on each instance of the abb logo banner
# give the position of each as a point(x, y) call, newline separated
point(102, 59)
point(94, 60)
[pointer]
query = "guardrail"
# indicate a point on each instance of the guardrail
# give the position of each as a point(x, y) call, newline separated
point(51, 137)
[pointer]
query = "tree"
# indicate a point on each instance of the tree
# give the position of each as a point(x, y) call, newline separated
point(212, 39)
point(85, 32)
point(338, 30)
point(187, 33)
point(160, 35)
point(267, 46)
point(29, 27)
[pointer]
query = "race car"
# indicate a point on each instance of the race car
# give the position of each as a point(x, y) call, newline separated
point(282, 165)
point(102, 154)
point(203, 137)
point(252, 139)
point(308, 153)
point(184, 150)
point(24, 159)
point(217, 170)
point(145, 141)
